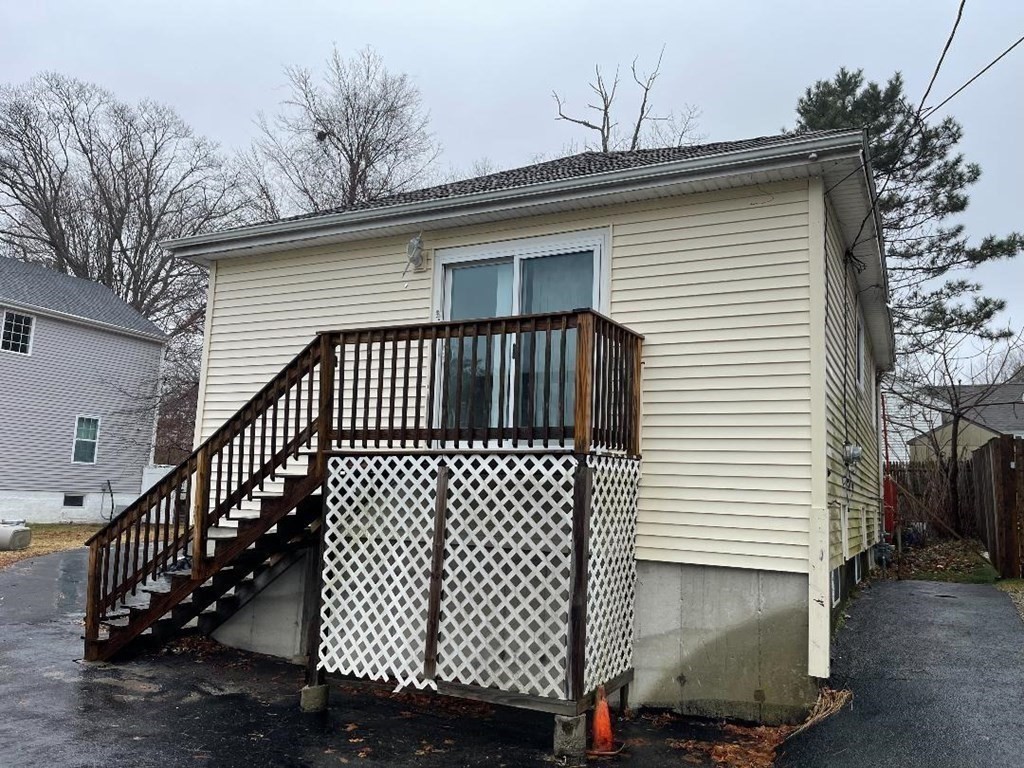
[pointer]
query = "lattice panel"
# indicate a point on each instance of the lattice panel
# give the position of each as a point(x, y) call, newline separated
point(611, 569)
point(505, 595)
point(378, 539)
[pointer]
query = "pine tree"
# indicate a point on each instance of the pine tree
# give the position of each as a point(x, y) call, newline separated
point(923, 182)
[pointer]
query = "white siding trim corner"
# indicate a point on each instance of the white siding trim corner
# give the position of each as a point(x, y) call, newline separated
point(204, 364)
point(818, 610)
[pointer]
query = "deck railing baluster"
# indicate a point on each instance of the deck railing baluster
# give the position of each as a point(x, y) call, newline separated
point(562, 342)
point(502, 416)
point(431, 404)
point(419, 383)
point(405, 389)
point(487, 389)
point(547, 384)
point(471, 381)
point(394, 381)
point(309, 398)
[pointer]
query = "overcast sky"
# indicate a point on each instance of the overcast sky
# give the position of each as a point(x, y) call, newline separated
point(487, 69)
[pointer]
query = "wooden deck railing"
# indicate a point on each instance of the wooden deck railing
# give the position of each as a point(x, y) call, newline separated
point(569, 380)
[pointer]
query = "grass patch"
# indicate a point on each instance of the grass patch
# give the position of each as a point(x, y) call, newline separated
point(48, 538)
point(958, 561)
point(983, 573)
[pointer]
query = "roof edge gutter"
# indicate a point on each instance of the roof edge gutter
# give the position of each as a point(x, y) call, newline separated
point(230, 242)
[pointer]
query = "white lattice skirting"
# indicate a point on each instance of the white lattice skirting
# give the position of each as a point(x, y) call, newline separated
point(612, 569)
point(505, 580)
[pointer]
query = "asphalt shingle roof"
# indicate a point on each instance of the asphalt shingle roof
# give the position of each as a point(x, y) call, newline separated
point(32, 285)
point(573, 166)
point(1000, 408)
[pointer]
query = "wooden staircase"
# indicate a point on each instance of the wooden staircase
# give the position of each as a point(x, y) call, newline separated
point(232, 516)
point(221, 526)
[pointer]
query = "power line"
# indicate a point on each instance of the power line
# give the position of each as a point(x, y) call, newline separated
point(942, 57)
point(918, 113)
point(915, 121)
point(931, 110)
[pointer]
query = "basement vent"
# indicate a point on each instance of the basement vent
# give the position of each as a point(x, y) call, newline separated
point(74, 500)
point(836, 583)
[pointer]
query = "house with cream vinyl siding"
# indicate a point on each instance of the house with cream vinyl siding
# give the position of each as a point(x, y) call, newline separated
point(726, 308)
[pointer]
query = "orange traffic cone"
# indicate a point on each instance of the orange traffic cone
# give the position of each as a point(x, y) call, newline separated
point(602, 743)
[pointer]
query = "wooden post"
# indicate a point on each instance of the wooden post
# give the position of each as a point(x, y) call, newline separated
point(1019, 508)
point(436, 569)
point(325, 413)
point(583, 417)
point(1008, 509)
point(636, 393)
point(200, 510)
point(578, 576)
point(315, 676)
point(92, 597)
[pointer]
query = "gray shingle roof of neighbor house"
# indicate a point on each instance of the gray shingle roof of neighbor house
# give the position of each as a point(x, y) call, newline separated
point(573, 166)
point(1000, 408)
point(35, 287)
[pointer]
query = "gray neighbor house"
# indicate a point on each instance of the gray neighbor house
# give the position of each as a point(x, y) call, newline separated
point(79, 370)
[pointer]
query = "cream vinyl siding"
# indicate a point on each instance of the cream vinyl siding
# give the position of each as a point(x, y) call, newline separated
point(930, 445)
point(859, 421)
point(718, 283)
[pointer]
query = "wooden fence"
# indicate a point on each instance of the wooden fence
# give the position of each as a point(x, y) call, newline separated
point(924, 500)
point(997, 469)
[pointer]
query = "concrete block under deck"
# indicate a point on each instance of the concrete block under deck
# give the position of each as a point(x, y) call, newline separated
point(722, 642)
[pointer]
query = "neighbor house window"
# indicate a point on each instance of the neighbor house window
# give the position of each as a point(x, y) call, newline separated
point(17, 333)
point(74, 500)
point(87, 436)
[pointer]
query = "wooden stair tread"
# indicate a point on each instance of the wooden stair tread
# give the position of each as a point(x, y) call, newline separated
point(248, 551)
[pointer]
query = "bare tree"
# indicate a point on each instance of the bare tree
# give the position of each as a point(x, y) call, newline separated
point(89, 186)
point(357, 133)
point(646, 129)
point(951, 384)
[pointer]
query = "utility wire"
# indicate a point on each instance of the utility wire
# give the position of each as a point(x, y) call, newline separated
point(915, 121)
point(942, 57)
point(931, 110)
point(918, 116)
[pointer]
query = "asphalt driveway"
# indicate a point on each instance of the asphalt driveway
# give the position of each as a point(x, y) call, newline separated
point(206, 705)
point(937, 674)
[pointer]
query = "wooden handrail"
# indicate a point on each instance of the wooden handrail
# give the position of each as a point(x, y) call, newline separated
point(221, 435)
point(156, 531)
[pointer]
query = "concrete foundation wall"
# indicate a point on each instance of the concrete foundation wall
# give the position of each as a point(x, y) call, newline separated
point(48, 507)
point(272, 622)
point(722, 642)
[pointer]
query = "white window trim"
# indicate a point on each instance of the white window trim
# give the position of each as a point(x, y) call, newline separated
point(836, 586)
point(597, 240)
point(31, 335)
point(74, 438)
